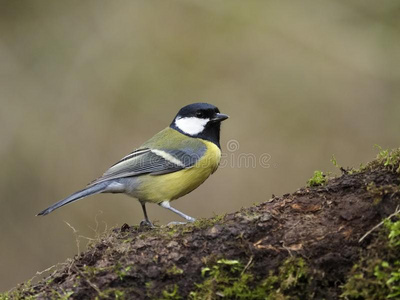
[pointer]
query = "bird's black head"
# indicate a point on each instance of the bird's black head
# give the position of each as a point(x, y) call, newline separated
point(200, 120)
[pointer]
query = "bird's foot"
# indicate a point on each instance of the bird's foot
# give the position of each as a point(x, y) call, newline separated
point(146, 223)
point(190, 219)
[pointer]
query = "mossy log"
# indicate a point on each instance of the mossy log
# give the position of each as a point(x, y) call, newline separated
point(304, 245)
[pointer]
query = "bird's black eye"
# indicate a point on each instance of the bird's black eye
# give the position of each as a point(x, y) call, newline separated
point(200, 114)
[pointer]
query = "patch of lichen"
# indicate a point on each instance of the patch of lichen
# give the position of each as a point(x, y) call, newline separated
point(377, 274)
point(229, 279)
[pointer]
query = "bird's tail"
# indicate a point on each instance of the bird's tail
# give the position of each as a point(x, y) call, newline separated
point(95, 189)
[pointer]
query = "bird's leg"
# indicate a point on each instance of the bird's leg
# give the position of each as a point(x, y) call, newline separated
point(146, 221)
point(166, 205)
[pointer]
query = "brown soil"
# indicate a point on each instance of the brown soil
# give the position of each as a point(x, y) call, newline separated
point(322, 225)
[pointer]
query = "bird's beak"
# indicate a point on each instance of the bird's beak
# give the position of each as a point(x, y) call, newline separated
point(219, 117)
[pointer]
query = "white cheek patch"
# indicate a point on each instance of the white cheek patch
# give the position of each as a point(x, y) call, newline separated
point(191, 125)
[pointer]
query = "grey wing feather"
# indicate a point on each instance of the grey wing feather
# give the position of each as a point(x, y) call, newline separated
point(152, 161)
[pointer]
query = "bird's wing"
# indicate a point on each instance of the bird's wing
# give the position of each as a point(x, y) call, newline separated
point(153, 161)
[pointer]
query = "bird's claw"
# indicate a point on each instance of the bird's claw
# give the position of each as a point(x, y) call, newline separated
point(146, 223)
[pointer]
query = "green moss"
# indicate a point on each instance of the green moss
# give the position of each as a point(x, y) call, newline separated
point(61, 296)
point(334, 162)
point(149, 289)
point(228, 279)
point(386, 159)
point(294, 274)
point(378, 275)
point(224, 279)
point(171, 293)
point(389, 158)
point(377, 193)
point(119, 295)
point(394, 233)
point(318, 179)
point(174, 270)
point(26, 293)
point(90, 271)
point(112, 294)
point(292, 281)
point(249, 215)
point(23, 291)
point(14, 295)
point(122, 271)
point(205, 223)
point(173, 231)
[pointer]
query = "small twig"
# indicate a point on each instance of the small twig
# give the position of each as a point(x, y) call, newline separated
point(96, 228)
point(287, 249)
point(76, 236)
point(47, 270)
point(39, 273)
point(248, 264)
point(396, 212)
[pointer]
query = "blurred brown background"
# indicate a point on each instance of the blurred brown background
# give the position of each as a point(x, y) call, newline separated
point(82, 83)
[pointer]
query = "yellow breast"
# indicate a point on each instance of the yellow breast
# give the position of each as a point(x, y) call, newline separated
point(172, 186)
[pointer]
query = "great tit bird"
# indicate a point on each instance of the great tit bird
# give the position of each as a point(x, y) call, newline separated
point(170, 165)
